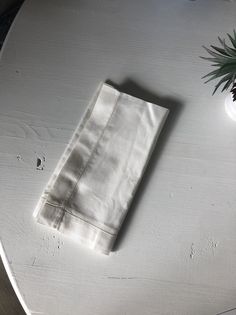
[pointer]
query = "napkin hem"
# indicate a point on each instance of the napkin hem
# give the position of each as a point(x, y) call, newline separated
point(84, 232)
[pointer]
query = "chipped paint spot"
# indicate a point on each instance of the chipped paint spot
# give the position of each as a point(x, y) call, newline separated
point(34, 260)
point(59, 243)
point(213, 245)
point(40, 163)
point(192, 251)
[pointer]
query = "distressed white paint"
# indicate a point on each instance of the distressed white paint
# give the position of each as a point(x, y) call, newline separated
point(177, 253)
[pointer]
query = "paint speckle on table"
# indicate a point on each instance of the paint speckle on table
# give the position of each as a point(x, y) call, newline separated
point(192, 251)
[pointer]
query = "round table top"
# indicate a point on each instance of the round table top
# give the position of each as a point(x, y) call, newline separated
point(175, 253)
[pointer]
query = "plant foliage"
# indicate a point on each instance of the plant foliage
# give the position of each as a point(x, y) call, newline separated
point(224, 59)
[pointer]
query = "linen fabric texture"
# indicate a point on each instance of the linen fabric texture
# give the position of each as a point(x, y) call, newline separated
point(90, 191)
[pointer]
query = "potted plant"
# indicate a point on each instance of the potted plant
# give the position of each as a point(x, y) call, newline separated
point(224, 60)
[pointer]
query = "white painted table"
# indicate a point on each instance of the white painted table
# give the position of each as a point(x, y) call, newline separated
point(176, 253)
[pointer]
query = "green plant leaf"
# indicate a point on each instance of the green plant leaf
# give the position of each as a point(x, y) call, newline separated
point(215, 60)
point(220, 50)
point(212, 53)
point(228, 68)
point(212, 78)
point(230, 51)
point(227, 84)
point(224, 70)
point(225, 78)
point(212, 73)
point(234, 34)
point(233, 41)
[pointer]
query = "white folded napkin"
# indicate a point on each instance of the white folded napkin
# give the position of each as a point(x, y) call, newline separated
point(90, 191)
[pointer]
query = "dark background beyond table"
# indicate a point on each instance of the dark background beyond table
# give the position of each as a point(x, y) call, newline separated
point(8, 11)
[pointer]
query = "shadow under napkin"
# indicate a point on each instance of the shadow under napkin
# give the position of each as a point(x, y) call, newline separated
point(175, 106)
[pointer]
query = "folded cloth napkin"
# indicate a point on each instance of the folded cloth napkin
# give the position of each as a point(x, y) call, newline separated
point(89, 193)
